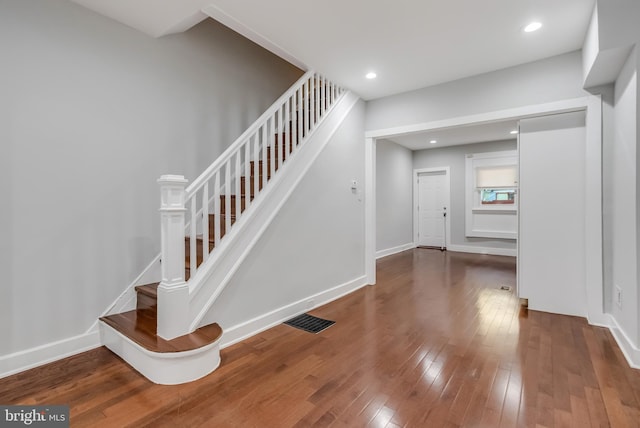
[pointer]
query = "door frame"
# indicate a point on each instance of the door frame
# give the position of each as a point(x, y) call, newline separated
point(594, 283)
point(416, 199)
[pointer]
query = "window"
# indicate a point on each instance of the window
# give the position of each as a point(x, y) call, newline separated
point(492, 195)
point(497, 196)
point(496, 184)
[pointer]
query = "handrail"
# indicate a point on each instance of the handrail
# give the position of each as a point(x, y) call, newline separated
point(231, 150)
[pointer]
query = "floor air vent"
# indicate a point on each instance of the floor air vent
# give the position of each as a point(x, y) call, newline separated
point(309, 323)
point(505, 287)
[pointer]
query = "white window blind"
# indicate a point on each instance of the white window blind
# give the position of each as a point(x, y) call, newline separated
point(496, 176)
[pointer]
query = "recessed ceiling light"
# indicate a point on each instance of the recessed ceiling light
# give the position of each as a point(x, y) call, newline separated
point(534, 26)
point(514, 132)
point(371, 75)
point(433, 141)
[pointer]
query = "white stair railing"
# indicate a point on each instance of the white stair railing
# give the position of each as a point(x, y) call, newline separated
point(230, 186)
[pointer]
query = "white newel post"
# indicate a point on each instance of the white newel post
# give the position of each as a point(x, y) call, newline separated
point(173, 291)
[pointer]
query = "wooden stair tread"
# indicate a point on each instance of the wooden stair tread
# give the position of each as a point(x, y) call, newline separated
point(260, 168)
point(252, 182)
point(140, 326)
point(232, 202)
point(150, 290)
point(199, 249)
point(147, 297)
point(223, 222)
point(199, 239)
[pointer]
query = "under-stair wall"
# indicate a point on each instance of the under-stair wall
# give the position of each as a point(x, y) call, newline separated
point(313, 250)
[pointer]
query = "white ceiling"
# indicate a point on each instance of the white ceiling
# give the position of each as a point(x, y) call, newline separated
point(495, 131)
point(409, 43)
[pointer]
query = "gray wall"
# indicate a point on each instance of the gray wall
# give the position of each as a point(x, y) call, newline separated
point(93, 113)
point(621, 113)
point(608, 165)
point(394, 195)
point(316, 241)
point(539, 82)
point(454, 158)
point(618, 32)
point(624, 196)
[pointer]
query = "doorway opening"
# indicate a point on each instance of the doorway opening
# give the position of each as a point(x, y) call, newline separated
point(592, 267)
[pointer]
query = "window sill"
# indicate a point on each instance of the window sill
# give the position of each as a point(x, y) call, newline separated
point(492, 234)
point(498, 208)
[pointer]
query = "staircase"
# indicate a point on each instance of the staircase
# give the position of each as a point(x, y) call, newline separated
point(140, 326)
point(204, 229)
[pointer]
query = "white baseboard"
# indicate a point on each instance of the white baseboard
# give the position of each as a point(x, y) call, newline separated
point(483, 250)
point(600, 320)
point(240, 332)
point(50, 352)
point(394, 250)
point(630, 351)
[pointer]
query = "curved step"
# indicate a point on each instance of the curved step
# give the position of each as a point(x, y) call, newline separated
point(132, 336)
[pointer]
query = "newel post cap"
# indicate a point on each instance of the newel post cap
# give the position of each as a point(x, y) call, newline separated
point(172, 179)
point(172, 192)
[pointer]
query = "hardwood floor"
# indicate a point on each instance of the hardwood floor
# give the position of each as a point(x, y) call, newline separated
point(435, 343)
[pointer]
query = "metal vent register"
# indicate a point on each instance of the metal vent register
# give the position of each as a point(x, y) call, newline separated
point(309, 323)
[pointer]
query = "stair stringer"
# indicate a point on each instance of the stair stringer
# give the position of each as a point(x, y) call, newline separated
point(213, 276)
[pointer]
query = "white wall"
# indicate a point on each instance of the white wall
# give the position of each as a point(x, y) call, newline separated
point(609, 40)
point(615, 68)
point(548, 80)
point(96, 113)
point(624, 197)
point(608, 163)
point(394, 196)
point(617, 23)
point(552, 225)
point(454, 157)
point(591, 45)
point(315, 243)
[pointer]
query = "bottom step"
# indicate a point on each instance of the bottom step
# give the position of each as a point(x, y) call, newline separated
point(164, 365)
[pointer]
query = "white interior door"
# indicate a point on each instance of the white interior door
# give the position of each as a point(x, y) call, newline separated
point(551, 238)
point(432, 200)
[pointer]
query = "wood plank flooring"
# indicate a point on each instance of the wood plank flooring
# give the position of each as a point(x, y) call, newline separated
point(434, 344)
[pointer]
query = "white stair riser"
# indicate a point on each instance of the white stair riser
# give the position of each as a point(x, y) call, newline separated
point(163, 368)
